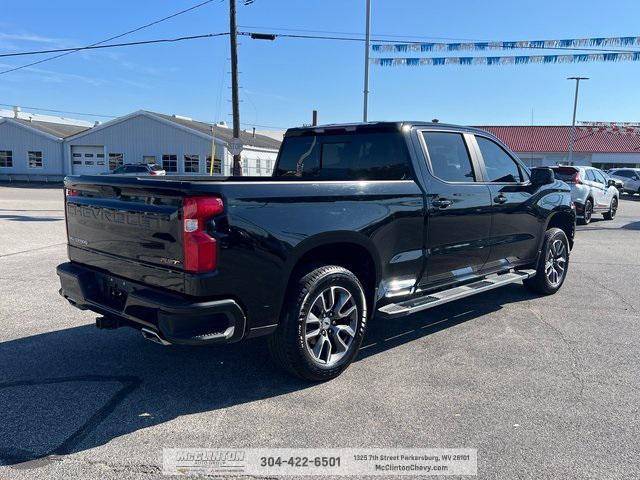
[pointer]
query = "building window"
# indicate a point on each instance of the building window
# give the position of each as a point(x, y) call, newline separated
point(149, 159)
point(217, 165)
point(115, 160)
point(88, 155)
point(192, 163)
point(170, 163)
point(258, 166)
point(35, 159)
point(6, 158)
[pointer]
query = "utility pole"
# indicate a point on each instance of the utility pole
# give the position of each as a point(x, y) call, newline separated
point(314, 118)
point(366, 61)
point(573, 122)
point(233, 33)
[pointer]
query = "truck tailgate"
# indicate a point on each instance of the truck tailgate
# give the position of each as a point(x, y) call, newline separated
point(126, 222)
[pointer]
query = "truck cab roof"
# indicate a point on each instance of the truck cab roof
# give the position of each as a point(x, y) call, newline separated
point(377, 126)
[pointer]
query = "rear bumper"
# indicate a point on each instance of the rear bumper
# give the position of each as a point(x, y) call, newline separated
point(175, 318)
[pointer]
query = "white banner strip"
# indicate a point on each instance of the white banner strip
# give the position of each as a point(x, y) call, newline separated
point(275, 462)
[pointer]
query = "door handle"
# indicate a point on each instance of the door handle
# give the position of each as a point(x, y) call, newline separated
point(441, 203)
point(500, 199)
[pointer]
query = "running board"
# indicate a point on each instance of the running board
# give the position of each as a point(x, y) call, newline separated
point(434, 299)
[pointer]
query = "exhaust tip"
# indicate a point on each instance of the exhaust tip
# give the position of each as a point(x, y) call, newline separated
point(153, 337)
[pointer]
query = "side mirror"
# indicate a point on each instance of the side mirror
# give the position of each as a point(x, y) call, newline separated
point(611, 182)
point(542, 176)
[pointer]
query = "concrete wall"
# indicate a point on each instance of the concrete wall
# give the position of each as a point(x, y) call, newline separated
point(20, 140)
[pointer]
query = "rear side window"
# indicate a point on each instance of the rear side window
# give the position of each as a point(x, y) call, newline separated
point(449, 156)
point(360, 156)
point(599, 176)
point(590, 176)
point(500, 167)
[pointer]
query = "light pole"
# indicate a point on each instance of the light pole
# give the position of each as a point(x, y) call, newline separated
point(573, 122)
point(366, 61)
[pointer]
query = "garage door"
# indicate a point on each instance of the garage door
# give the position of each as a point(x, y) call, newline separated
point(88, 160)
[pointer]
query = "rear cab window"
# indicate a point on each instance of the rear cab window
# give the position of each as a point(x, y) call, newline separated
point(448, 155)
point(348, 156)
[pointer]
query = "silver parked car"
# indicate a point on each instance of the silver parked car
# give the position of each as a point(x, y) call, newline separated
point(592, 191)
point(630, 178)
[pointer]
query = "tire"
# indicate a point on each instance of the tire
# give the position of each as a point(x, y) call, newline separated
point(613, 209)
point(541, 283)
point(588, 213)
point(295, 348)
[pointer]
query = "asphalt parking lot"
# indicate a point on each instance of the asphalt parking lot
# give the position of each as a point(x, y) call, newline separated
point(542, 387)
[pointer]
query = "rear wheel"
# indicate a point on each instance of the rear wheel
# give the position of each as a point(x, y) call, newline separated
point(553, 263)
point(613, 208)
point(588, 213)
point(323, 324)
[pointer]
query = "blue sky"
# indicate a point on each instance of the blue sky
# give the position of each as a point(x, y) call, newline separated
point(283, 81)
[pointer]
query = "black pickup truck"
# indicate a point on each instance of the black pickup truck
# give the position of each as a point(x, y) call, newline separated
point(387, 218)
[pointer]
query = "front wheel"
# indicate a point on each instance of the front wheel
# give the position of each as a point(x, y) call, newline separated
point(553, 263)
point(613, 209)
point(323, 324)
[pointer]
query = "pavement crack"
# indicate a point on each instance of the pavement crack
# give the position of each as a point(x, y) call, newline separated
point(612, 291)
point(575, 359)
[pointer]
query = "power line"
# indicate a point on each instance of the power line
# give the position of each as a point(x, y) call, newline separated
point(137, 29)
point(111, 45)
point(414, 41)
point(357, 33)
point(61, 111)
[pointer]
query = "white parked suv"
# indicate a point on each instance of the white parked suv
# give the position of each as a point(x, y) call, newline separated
point(630, 178)
point(592, 191)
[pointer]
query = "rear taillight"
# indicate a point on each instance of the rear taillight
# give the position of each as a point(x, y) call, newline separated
point(153, 172)
point(576, 178)
point(199, 248)
point(72, 193)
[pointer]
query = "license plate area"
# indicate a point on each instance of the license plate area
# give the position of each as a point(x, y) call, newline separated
point(114, 292)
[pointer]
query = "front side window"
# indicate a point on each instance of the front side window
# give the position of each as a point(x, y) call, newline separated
point(115, 160)
point(170, 163)
point(359, 156)
point(35, 159)
point(500, 167)
point(191, 163)
point(6, 158)
point(449, 157)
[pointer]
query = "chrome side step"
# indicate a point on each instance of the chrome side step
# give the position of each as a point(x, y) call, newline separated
point(434, 299)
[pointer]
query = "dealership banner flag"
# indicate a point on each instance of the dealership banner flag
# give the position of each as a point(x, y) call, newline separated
point(506, 60)
point(512, 45)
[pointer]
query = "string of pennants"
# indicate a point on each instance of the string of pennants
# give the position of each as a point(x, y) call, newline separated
point(620, 129)
point(507, 60)
point(428, 47)
point(513, 45)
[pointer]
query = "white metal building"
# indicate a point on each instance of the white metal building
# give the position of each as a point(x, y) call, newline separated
point(179, 144)
point(33, 150)
point(36, 150)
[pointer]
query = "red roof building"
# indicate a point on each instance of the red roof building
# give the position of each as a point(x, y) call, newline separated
point(549, 145)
